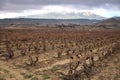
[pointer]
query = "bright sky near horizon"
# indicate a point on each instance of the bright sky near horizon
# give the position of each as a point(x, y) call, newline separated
point(21, 8)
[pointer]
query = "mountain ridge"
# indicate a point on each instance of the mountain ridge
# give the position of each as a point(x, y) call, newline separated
point(70, 15)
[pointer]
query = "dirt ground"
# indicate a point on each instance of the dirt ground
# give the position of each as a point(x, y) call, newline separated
point(107, 69)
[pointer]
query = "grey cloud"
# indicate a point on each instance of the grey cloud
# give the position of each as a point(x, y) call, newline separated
point(16, 5)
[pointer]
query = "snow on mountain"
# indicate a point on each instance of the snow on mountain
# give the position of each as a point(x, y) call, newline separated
point(71, 15)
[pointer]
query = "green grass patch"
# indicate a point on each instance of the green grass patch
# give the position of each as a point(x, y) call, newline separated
point(34, 78)
point(54, 68)
point(28, 76)
point(46, 76)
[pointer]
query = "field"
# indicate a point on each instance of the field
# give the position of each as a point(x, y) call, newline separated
point(59, 54)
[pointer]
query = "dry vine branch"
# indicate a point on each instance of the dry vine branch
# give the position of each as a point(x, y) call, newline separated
point(32, 61)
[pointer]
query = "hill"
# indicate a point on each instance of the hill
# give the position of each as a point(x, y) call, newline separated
point(111, 23)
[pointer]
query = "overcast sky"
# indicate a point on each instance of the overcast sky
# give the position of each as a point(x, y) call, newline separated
point(18, 8)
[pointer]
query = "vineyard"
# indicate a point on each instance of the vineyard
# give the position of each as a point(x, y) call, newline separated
point(56, 54)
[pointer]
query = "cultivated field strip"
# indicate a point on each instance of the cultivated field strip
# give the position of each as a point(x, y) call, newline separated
point(39, 51)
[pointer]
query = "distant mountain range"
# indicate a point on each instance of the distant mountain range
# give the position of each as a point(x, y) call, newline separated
point(71, 15)
point(83, 18)
point(48, 21)
point(111, 23)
